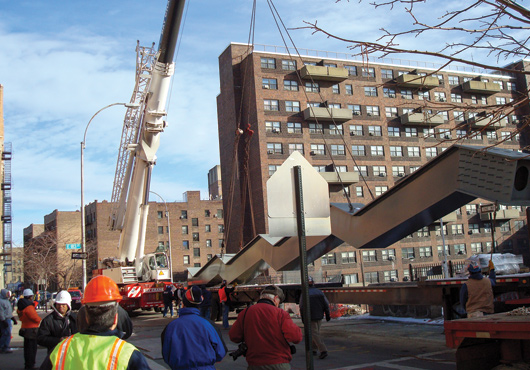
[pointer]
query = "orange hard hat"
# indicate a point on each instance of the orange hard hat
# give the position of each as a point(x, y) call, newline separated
point(101, 289)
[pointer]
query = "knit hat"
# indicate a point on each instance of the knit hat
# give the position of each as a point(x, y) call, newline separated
point(274, 290)
point(473, 264)
point(192, 297)
point(27, 293)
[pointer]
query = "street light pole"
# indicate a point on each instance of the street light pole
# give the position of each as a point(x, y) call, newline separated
point(83, 231)
point(168, 235)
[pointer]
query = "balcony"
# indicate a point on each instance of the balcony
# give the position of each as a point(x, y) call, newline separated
point(421, 119)
point(481, 87)
point(482, 121)
point(348, 178)
point(327, 114)
point(503, 214)
point(451, 217)
point(324, 73)
point(412, 80)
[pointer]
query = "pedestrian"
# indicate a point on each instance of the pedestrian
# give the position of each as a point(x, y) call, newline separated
point(178, 294)
point(191, 341)
point(98, 346)
point(59, 324)
point(319, 306)
point(226, 303)
point(266, 330)
point(30, 323)
point(206, 302)
point(167, 297)
point(6, 321)
point(476, 294)
point(124, 328)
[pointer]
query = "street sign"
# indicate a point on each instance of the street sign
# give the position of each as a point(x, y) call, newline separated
point(79, 256)
point(488, 208)
point(73, 246)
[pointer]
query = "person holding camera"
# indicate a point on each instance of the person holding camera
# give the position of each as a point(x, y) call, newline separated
point(264, 331)
point(192, 341)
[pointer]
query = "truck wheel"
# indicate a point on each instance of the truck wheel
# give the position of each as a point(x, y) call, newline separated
point(157, 309)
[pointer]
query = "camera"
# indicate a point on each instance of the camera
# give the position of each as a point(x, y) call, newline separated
point(240, 351)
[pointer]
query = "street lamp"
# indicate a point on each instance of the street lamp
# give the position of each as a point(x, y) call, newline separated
point(83, 241)
point(168, 235)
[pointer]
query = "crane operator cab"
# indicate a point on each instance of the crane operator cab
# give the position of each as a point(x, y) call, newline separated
point(155, 267)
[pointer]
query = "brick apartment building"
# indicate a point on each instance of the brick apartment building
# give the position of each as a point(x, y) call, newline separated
point(195, 229)
point(392, 118)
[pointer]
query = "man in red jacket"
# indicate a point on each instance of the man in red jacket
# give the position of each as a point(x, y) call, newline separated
point(267, 330)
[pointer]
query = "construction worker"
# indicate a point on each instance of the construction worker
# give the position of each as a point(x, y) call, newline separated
point(99, 345)
point(476, 295)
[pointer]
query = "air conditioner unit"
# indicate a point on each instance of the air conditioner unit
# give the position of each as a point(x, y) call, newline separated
point(181, 217)
point(391, 258)
point(468, 212)
point(442, 99)
point(352, 134)
point(382, 174)
point(391, 95)
point(270, 151)
point(406, 278)
point(312, 153)
point(356, 113)
point(368, 114)
point(371, 134)
point(447, 136)
point(392, 279)
point(401, 174)
point(214, 216)
point(266, 87)
point(275, 130)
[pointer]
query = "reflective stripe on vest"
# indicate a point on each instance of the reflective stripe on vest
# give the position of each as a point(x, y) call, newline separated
point(99, 352)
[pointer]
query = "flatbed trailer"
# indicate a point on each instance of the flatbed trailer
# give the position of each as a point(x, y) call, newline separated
point(485, 342)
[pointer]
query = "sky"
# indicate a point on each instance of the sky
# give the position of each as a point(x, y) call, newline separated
point(63, 60)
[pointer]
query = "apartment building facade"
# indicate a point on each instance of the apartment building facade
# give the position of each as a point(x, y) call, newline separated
point(380, 120)
point(191, 232)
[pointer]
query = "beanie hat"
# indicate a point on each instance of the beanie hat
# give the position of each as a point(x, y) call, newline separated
point(192, 297)
point(473, 265)
point(27, 293)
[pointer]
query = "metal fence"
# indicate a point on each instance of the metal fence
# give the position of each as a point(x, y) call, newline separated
point(434, 270)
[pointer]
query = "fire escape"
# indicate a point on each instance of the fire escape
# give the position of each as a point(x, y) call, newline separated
point(6, 214)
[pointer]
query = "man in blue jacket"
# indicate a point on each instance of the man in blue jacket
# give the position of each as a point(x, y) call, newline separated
point(191, 341)
point(319, 306)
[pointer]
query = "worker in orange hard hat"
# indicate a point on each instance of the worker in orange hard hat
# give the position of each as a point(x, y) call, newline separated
point(99, 345)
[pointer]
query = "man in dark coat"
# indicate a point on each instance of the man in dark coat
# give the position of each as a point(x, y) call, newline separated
point(206, 302)
point(167, 297)
point(319, 306)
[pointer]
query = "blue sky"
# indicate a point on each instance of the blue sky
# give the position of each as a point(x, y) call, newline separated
point(61, 61)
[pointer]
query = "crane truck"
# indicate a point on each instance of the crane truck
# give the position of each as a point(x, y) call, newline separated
point(142, 277)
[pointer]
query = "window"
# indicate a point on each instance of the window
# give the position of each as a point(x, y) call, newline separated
point(505, 226)
point(389, 92)
point(337, 149)
point(428, 132)
point(459, 115)
point(393, 131)
point(510, 86)
point(388, 254)
point(269, 63)
point(369, 256)
point(269, 83)
point(444, 133)
point(379, 171)
point(294, 128)
point(439, 96)
point(361, 170)
point(335, 129)
point(456, 98)
point(355, 108)
point(439, 77)
point(329, 259)
point(318, 149)
point(476, 248)
point(289, 65)
point(334, 105)
point(272, 169)
point(491, 135)
point(359, 192)
point(444, 114)
point(370, 91)
point(292, 106)
point(274, 148)
point(160, 214)
point(453, 80)
point(358, 150)
point(368, 72)
point(471, 209)
point(407, 110)
point(356, 130)
point(457, 229)
point(221, 228)
point(290, 85)
point(460, 133)
point(437, 230)
point(396, 151)
point(398, 171)
point(207, 228)
point(371, 277)
point(390, 275)
point(195, 237)
point(186, 260)
point(350, 279)
point(423, 232)
point(312, 87)
point(460, 248)
point(407, 253)
point(391, 112)
point(380, 190)
point(194, 222)
point(374, 131)
point(474, 229)
point(372, 110)
point(500, 101)
point(348, 257)
point(413, 168)
point(348, 89)
point(184, 230)
point(430, 152)
point(411, 132)
point(406, 94)
point(186, 244)
point(293, 147)
point(206, 213)
point(377, 150)
point(184, 215)
point(413, 151)
point(499, 83)
point(221, 243)
point(315, 128)
point(387, 73)
point(196, 252)
point(319, 168)
point(425, 252)
point(335, 89)
point(352, 70)
point(271, 105)
point(423, 95)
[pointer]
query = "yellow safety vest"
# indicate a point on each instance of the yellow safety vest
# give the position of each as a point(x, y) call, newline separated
point(82, 351)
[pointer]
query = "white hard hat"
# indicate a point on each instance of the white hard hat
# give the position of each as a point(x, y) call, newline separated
point(27, 292)
point(63, 297)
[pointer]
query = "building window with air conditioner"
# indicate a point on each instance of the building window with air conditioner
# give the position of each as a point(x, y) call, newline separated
point(439, 96)
point(388, 254)
point(355, 108)
point(183, 215)
point(372, 110)
point(375, 131)
point(398, 171)
point(274, 148)
point(406, 94)
point(390, 276)
point(269, 83)
point(379, 171)
point(474, 228)
point(356, 130)
point(391, 112)
point(318, 149)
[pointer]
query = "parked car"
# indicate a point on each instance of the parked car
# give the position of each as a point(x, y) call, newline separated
point(76, 297)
